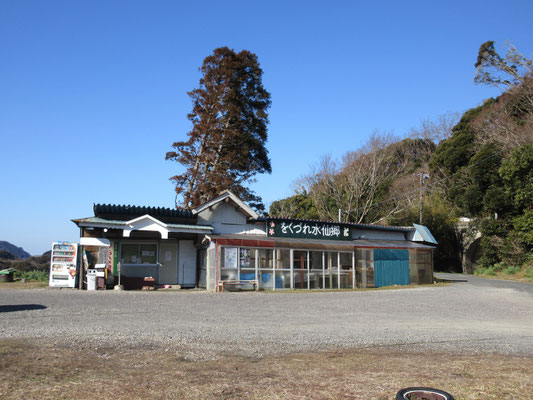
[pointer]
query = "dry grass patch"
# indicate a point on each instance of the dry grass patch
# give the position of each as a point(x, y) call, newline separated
point(31, 371)
point(23, 285)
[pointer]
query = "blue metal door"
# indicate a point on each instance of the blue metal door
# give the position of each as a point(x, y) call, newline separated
point(391, 267)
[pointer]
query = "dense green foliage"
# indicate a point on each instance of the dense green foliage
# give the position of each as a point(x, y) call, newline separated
point(33, 263)
point(41, 276)
point(438, 217)
point(297, 206)
point(488, 175)
point(456, 151)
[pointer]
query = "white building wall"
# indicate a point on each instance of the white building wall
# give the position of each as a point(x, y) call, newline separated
point(221, 212)
point(377, 234)
point(226, 219)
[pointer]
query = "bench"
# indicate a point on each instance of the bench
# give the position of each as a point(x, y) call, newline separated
point(236, 282)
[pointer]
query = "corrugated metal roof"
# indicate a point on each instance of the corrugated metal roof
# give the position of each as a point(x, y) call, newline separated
point(132, 211)
point(326, 244)
point(351, 224)
point(423, 234)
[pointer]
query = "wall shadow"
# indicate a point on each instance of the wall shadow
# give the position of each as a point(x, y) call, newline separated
point(21, 307)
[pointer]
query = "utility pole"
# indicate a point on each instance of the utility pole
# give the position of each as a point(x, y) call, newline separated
point(423, 176)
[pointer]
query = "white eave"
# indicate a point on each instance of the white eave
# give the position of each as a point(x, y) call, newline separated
point(144, 223)
point(99, 242)
point(143, 219)
point(226, 196)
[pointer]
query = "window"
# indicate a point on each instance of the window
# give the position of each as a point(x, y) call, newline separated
point(229, 257)
point(365, 267)
point(309, 269)
point(138, 253)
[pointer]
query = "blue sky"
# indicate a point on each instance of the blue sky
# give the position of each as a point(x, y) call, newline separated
point(93, 93)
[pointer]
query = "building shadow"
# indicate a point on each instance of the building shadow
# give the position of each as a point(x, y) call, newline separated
point(21, 307)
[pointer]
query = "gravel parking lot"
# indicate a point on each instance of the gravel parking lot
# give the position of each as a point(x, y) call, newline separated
point(462, 317)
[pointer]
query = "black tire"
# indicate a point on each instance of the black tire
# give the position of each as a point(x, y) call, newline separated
point(400, 395)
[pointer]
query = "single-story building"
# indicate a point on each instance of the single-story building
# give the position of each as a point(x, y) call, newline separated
point(225, 240)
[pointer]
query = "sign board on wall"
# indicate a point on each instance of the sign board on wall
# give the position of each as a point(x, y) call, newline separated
point(307, 230)
point(110, 258)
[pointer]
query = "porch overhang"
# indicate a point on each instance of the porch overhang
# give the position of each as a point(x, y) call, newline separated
point(313, 244)
point(143, 223)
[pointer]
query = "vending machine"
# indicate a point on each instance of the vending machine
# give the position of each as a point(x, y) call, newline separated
point(63, 264)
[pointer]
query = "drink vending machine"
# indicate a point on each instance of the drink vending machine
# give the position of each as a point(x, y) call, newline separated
point(63, 264)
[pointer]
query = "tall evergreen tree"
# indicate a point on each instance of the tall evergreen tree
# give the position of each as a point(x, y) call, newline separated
point(226, 146)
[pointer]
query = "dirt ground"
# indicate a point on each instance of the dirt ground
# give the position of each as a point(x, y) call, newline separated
point(32, 371)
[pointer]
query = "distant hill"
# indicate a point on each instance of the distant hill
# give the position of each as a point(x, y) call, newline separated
point(18, 252)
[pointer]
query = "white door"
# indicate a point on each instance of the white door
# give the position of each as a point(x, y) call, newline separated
point(168, 258)
point(187, 263)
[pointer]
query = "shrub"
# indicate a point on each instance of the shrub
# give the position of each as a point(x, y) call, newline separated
point(499, 267)
point(511, 270)
point(480, 270)
point(41, 276)
point(486, 270)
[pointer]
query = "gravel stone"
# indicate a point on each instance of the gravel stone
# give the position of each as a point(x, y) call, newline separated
point(463, 317)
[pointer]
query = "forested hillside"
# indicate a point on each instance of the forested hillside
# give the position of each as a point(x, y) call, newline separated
point(32, 263)
point(480, 167)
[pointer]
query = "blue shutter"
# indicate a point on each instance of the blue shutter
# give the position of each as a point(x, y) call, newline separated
point(391, 267)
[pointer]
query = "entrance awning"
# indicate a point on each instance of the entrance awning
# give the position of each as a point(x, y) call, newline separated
point(313, 244)
point(88, 241)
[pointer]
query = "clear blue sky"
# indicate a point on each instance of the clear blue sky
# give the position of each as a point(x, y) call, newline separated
point(93, 93)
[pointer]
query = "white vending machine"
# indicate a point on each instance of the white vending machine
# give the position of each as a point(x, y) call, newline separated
point(63, 264)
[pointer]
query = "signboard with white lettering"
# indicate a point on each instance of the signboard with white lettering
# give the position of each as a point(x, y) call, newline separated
point(307, 230)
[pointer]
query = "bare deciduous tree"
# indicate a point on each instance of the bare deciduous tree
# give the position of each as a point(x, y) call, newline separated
point(435, 130)
point(509, 121)
point(362, 180)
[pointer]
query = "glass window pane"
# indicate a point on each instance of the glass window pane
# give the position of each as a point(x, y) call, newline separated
point(346, 261)
point(247, 274)
point(346, 274)
point(315, 279)
point(253, 252)
point(315, 259)
point(283, 259)
point(300, 278)
point(129, 254)
point(148, 253)
point(331, 260)
point(300, 259)
point(229, 274)
point(283, 279)
point(229, 257)
point(266, 279)
point(365, 267)
point(247, 258)
point(265, 258)
point(331, 273)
